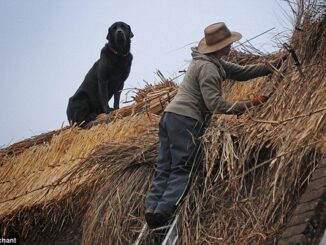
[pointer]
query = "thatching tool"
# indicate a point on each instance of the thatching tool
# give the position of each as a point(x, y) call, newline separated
point(295, 58)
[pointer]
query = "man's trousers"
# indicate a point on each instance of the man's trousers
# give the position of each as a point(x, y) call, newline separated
point(178, 143)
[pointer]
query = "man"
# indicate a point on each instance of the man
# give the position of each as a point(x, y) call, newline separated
point(198, 97)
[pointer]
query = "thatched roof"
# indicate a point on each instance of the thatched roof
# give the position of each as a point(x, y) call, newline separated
point(88, 186)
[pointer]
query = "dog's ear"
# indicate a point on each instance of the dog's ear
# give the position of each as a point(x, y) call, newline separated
point(109, 34)
point(131, 34)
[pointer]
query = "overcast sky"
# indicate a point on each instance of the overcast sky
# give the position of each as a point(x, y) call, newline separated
point(47, 47)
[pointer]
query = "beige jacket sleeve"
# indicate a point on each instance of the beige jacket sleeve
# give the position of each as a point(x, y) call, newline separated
point(210, 87)
point(244, 73)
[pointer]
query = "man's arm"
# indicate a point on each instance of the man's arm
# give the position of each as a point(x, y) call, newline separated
point(244, 73)
point(210, 87)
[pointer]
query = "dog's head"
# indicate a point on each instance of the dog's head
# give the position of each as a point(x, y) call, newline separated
point(119, 36)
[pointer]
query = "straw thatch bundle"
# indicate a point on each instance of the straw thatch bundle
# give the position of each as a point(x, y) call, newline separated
point(88, 186)
point(257, 166)
point(53, 177)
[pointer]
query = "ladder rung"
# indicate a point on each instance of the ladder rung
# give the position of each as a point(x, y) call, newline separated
point(141, 234)
point(172, 235)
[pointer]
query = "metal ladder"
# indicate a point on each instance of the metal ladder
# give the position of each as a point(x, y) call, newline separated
point(171, 237)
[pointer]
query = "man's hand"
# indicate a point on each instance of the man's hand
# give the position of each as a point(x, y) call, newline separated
point(244, 105)
point(258, 100)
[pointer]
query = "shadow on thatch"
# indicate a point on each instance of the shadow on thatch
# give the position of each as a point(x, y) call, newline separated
point(88, 186)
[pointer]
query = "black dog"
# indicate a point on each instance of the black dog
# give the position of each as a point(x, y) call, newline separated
point(105, 79)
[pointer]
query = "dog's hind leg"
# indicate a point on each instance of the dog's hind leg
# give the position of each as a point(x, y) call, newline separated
point(78, 111)
point(90, 117)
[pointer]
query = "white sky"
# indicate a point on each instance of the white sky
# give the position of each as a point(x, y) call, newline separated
point(47, 47)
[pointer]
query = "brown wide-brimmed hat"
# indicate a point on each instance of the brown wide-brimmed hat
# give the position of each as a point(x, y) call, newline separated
point(217, 36)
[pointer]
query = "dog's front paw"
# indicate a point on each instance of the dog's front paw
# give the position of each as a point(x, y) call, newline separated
point(110, 110)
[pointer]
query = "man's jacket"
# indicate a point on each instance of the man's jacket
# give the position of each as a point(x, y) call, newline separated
point(200, 93)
